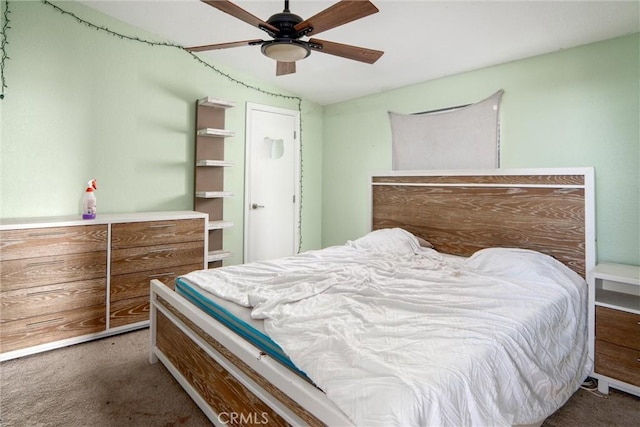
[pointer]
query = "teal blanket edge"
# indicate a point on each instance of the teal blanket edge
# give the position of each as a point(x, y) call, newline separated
point(237, 325)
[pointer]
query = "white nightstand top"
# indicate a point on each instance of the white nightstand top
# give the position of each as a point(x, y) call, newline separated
point(624, 273)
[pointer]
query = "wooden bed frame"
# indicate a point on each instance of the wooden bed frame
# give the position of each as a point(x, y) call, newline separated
point(459, 212)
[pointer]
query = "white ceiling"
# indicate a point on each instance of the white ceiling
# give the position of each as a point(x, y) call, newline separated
point(422, 39)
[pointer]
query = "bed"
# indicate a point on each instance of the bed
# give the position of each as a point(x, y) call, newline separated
point(465, 305)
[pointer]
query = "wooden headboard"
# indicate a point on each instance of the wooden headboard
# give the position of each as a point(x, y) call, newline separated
point(460, 212)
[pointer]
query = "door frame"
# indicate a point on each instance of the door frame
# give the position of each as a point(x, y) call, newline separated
point(250, 107)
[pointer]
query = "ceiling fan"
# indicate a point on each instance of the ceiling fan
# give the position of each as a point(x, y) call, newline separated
point(287, 29)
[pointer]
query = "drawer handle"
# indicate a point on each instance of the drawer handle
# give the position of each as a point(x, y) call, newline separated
point(42, 263)
point(153, 276)
point(51, 291)
point(162, 225)
point(162, 250)
point(45, 233)
point(44, 322)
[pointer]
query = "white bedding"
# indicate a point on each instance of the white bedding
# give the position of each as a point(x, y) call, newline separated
point(396, 334)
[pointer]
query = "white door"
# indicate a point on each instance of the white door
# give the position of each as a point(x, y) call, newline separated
point(272, 183)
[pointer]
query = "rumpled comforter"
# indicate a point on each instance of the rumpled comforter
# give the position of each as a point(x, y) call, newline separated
point(396, 334)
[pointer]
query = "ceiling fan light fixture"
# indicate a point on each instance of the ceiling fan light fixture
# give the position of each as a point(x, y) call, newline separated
point(285, 50)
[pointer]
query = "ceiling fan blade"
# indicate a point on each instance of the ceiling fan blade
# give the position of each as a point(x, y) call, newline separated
point(284, 68)
point(238, 12)
point(223, 45)
point(340, 13)
point(356, 53)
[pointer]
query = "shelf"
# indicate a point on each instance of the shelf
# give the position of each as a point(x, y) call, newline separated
point(210, 101)
point(217, 225)
point(209, 177)
point(623, 273)
point(213, 194)
point(617, 286)
point(214, 163)
point(218, 255)
point(215, 132)
point(618, 300)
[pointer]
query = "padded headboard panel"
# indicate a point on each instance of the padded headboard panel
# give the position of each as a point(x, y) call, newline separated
point(460, 212)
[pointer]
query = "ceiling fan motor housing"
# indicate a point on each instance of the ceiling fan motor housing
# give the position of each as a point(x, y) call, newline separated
point(285, 21)
point(285, 47)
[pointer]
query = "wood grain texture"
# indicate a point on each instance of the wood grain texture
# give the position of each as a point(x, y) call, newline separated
point(33, 272)
point(52, 241)
point(485, 179)
point(32, 302)
point(618, 362)
point(216, 386)
point(151, 258)
point(128, 311)
point(51, 327)
point(143, 251)
point(462, 220)
point(618, 327)
point(125, 286)
point(136, 234)
point(301, 412)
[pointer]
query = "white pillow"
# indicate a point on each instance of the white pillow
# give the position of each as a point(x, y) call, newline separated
point(518, 263)
point(387, 240)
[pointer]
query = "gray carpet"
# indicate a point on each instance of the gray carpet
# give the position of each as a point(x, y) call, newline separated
point(109, 382)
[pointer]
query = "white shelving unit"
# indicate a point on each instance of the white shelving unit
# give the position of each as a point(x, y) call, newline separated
point(209, 193)
point(215, 132)
point(218, 255)
point(210, 101)
point(618, 286)
point(615, 330)
point(218, 225)
point(214, 163)
point(213, 194)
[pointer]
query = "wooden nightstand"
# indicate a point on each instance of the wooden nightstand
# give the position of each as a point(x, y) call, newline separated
point(615, 308)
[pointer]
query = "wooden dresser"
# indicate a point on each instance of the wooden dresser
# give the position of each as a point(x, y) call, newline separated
point(65, 280)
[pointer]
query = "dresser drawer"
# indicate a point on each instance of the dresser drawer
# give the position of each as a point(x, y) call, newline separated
point(150, 233)
point(31, 302)
point(32, 272)
point(52, 327)
point(129, 311)
point(132, 260)
point(618, 327)
point(42, 242)
point(618, 362)
point(125, 286)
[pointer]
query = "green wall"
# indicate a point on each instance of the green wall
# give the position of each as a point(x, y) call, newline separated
point(81, 104)
point(84, 104)
point(577, 107)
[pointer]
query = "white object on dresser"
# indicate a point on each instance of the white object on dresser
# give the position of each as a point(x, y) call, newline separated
point(64, 280)
point(615, 328)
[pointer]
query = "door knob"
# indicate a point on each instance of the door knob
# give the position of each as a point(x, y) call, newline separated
point(256, 206)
